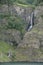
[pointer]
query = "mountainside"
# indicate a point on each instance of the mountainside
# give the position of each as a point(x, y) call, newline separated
point(17, 42)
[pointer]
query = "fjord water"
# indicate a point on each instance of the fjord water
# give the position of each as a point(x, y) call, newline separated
point(20, 63)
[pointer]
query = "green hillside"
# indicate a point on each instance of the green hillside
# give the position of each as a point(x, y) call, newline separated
point(15, 39)
point(35, 2)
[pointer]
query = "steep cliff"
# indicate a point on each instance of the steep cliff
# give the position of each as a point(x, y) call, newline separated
point(22, 44)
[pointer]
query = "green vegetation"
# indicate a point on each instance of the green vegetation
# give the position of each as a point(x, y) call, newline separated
point(35, 2)
point(13, 22)
point(4, 49)
point(17, 54)
point(9, 22)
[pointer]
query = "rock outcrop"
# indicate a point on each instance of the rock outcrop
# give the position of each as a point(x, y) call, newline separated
point(10, 36)
point(31, 46)
point(34, 36)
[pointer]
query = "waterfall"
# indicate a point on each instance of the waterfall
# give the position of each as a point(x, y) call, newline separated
point(9, 54)
point(31, 23)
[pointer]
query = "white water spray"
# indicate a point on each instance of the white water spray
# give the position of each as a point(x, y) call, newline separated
point(31, 21)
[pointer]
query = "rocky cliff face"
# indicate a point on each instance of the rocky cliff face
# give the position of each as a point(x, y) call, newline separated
point(15, 11)
point(37, 29)
point(30, 48)
point(34, 39)
point(23, 12)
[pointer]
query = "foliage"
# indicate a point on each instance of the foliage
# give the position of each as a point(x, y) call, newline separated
point(35, 2)
point(16, 23)
point(4, 49)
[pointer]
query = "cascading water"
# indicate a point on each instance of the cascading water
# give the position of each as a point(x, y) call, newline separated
point(9, 53)
point(31, 23)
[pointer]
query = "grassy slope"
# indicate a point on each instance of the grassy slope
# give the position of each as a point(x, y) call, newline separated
point(4, 49)
point(19, 53)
